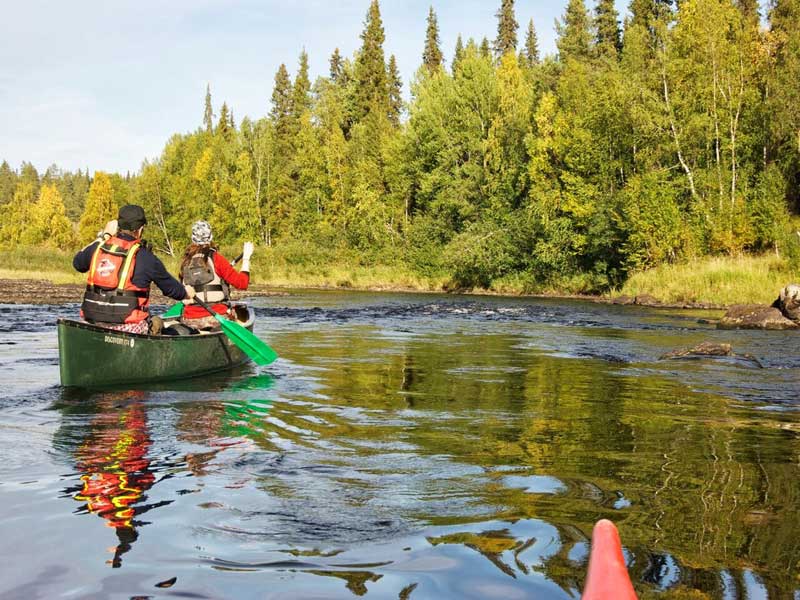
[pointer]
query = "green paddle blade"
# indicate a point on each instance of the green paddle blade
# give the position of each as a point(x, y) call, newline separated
point(247, 342)
point(175, 311)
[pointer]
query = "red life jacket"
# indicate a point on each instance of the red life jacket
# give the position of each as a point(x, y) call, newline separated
point(111, 296)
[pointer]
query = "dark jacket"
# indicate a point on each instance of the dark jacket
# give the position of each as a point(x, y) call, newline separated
point(148, 269)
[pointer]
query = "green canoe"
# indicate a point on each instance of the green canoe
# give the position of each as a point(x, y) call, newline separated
point(92, 356)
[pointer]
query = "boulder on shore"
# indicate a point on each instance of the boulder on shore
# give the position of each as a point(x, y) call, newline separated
point(789, 302)
point(755, 316)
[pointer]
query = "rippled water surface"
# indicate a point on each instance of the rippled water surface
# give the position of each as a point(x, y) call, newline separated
point(409, 447)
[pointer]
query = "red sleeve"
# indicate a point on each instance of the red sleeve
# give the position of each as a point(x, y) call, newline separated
point(224, 269)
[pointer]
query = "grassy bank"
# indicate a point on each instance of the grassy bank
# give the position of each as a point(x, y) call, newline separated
point(717, 280)
point(289, 268)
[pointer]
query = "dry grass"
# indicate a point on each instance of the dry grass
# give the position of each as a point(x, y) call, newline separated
point(717, 280)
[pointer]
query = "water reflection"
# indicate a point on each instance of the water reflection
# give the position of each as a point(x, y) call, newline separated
point(455, 457)
point(115, 468)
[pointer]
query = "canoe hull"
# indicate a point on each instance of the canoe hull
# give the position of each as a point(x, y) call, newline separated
point(91, 356)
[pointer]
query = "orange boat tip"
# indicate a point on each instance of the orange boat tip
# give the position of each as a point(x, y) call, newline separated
point(607, 578)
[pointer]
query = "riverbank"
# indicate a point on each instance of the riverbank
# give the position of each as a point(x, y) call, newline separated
point(35, 275)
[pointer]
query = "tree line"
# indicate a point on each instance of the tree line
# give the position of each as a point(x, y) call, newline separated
point(671, 135)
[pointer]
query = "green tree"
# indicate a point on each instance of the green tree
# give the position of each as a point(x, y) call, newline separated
point(372, 89)
point(531, 50)
point(208, 113)
point(750, 12)
point(281, 112)
point(485, 49)
point(18, 214)
point(507, 26)
point(432, 56)
point(100, 207)
point(607, 33)
point(783, 83)
point(148, 193)
point(458, 54)
point(224, 128)
point(574, 37)
point(49, 225)
point(8, 181)
point(336, 66)
point(301, 93)
point(395, 92)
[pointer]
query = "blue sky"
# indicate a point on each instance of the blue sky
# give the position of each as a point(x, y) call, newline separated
point(104, 85)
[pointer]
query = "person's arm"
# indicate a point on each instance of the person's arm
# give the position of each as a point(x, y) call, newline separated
point(149, 268)
point(226, 272)
point(83, 259)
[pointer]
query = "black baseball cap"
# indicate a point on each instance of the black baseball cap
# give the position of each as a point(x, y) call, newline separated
point(131, 217)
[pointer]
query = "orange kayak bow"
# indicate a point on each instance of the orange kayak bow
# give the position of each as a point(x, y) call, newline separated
point(608, 576)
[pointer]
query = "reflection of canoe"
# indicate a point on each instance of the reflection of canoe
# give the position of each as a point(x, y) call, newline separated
point(608, 576)
point(91, 356)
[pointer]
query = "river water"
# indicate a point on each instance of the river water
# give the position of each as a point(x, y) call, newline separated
point(409, 446)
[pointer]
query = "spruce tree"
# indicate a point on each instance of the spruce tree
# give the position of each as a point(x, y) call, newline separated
point(224, 124)
point(208, 114)
point(531, 51)
point(336, 66)
point(8, 181)
point(574, 37)
point(458, 54)
point(281, 111)
point(432, 56)
point(395, 91)
point(749, 10)
point(646, 12)
point(485, 49)
point(607, 32)
point(372, 90)
point(301, 97)
point(506, 29)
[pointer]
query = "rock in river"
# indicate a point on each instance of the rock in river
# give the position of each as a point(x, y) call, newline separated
point(755, 316)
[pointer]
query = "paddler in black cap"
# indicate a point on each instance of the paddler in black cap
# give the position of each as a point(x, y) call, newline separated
point(120, 270)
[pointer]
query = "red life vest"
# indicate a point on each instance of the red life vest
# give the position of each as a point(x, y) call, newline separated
point(111, 296)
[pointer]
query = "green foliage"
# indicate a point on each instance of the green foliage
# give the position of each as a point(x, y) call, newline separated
point(768, 211)
point(432, 55)
point(574, 37)
point(208, 112)
point(531, 50)
point(510, 172)
point(100, 207)
point(49, 225)
point(372, 89)
point(652, 222)
point(8, 181)
point(458, 53)
point(507, 26)
point(607, 34)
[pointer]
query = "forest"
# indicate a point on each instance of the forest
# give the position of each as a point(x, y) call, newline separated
point(667, 135)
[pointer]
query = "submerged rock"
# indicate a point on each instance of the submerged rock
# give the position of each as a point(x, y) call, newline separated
point(755, 316)
point(710, 350)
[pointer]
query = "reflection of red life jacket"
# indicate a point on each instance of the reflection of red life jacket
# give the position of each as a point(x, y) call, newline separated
point(116, 468)
point(111, 296)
